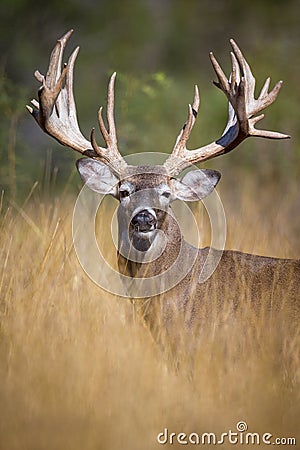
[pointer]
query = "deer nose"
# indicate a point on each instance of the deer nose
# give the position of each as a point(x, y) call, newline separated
point(144, 221)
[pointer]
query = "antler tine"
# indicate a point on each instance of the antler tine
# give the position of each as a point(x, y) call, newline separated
point(265, 88)
point(110, 155)
point(235, 76)
point(244, 66)
point(242, 114)
point(109, 134)
point(223, 83)
point(69, 83)
point(110, 109)
point(54, 69)
point(102, 126)
point(185, 132)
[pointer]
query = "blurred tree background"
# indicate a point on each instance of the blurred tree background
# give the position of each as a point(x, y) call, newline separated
point(159, 49)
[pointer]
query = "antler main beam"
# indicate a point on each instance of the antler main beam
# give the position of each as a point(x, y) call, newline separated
point(242, 114)
point(55, 112)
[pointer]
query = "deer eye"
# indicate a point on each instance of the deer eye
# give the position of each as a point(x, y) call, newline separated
point(166, 194)
point(124, 193)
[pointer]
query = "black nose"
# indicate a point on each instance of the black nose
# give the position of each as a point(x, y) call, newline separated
point(144, 221)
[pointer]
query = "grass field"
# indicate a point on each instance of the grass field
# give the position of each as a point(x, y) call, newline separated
point(78, 371)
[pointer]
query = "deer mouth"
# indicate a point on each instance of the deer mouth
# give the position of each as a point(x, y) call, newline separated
point(144, 222)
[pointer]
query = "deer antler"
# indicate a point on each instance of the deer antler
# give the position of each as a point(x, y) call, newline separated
point(110, 156)
point(242, 114)
point(55, 112)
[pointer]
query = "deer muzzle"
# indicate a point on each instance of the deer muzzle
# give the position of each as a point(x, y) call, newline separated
point(144, 221)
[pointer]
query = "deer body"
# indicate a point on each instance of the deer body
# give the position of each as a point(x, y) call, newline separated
point(150, 242)
point(268, 283)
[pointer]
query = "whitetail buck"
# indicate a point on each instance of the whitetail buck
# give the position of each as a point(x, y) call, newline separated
point(146, 192)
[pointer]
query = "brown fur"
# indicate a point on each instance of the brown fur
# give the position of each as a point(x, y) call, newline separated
point(268, 284)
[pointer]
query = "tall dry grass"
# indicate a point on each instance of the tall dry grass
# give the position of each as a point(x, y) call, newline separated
point(78, 371)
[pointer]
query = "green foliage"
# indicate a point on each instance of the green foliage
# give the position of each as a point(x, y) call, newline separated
point(11, 98)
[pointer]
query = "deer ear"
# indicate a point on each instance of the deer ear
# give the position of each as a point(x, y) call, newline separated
point(97, 176)
point(195, 185)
